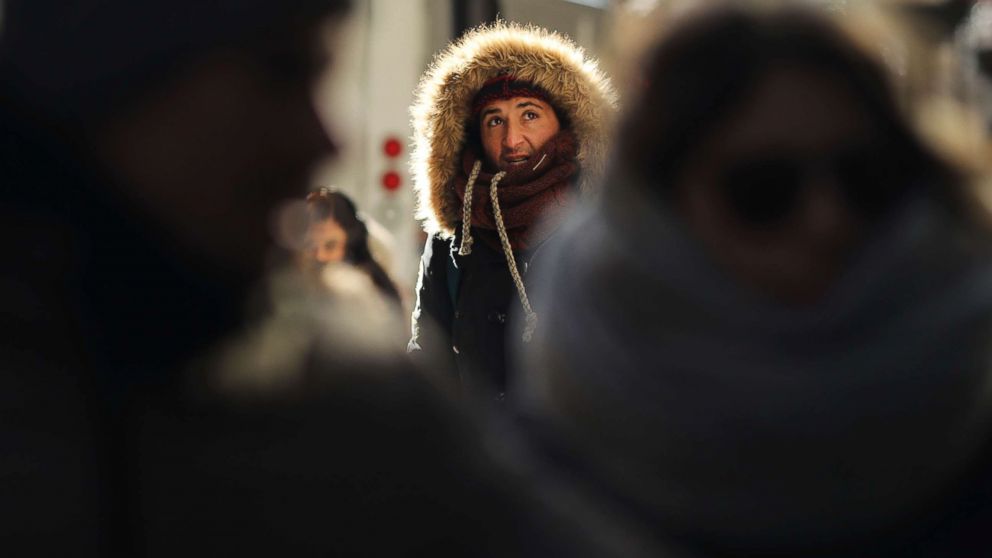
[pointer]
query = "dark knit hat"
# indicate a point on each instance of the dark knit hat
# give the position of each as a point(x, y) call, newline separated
point(503, 87)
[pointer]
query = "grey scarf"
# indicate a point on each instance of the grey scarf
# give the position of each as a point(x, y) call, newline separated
point(751, 423)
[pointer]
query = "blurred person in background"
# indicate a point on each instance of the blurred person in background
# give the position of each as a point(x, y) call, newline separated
point(326, 265)
point(510, 125)
point(335, 233)
point(975, 43)
point(772, 336)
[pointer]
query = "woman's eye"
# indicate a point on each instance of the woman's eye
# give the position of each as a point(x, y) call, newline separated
point(530, 115)
point(494, 121)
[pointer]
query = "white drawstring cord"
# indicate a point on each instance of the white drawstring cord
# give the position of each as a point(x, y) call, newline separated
point(511, 262)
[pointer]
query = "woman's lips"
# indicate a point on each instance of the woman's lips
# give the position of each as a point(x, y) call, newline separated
point(516, 159)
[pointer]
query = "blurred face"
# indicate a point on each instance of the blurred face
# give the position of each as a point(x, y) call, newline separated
point(325, 242)
point(514, 129)
point(212, 152)
point(781, 195)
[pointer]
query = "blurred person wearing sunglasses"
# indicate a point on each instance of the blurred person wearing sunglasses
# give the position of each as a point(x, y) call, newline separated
point(783, 341)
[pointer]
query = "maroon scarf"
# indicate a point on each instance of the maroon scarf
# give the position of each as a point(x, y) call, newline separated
point(526, 196)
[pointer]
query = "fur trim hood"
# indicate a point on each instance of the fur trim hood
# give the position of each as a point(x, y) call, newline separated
point(574, 83)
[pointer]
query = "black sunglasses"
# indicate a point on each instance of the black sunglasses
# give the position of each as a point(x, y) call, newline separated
point(765, 190)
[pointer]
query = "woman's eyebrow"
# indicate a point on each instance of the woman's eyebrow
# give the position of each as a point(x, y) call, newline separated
point(489, 111)
point(530, 104)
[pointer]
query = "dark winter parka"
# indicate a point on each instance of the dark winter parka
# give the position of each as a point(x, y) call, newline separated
point(465, 303)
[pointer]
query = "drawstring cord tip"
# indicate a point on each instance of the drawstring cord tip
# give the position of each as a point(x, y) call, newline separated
point(466, 246)
point(539, 162)
point(530, 326)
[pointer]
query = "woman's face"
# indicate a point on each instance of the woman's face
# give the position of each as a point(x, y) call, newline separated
point(325, 242)
point(777, 194)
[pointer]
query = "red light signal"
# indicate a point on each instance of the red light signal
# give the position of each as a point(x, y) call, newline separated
point(392, 147)
point(391, 180)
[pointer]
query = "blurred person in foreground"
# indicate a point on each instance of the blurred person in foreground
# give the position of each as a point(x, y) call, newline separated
point(772, 336)
point(153, 402)
point(143, 146)
point(510, 126)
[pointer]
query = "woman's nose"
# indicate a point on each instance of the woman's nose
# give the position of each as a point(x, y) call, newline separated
point(513, 136)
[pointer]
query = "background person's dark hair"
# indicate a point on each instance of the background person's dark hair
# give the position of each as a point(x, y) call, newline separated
point(704, 69)
point(326, 204)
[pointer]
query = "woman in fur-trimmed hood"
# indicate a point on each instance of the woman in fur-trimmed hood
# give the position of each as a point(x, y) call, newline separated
point(493, 178)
